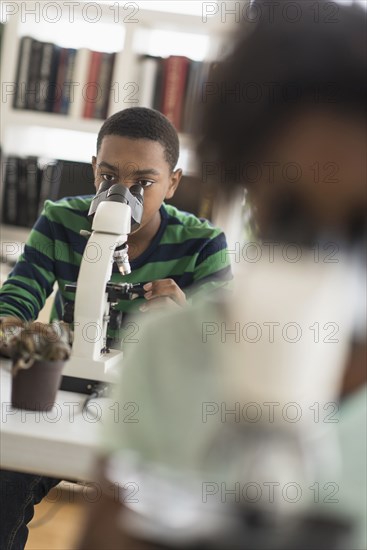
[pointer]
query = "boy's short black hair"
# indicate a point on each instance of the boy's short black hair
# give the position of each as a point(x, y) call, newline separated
point(280, 62)
point(143, 123)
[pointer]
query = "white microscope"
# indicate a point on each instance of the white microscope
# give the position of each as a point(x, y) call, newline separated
point(116, 211)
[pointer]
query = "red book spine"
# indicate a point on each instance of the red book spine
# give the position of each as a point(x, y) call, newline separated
point(175, 73)
point(92, 88)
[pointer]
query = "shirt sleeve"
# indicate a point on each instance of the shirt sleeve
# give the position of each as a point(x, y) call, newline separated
point(213, 270)
point(31, 281)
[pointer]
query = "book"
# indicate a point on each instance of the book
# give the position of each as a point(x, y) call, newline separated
point(30, 181)
point(21, 185)
point(80, 79)
point(60, 79)
point(158, 92)
point(10, 198)
point(175, 72)
point(92, 89)
point(52, 85)
point(66, 90)
point(50, 182)
point(32, 174)
point(22, 194)
point(47, 76)
point(104, 86)
point(33, 82)
point(65, 178)
point(23, 65)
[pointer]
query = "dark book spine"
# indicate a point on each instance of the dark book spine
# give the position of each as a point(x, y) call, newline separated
point(22, 194)
point(11, 190)
point(60, 79)
point(24, 60)
point(158, 93)
point(51, 93)
point(66, 88)
point(33, 84)
point(107, 89)
point(50, 182)
point(104, 83)
point(32, 179)
point(44, 76)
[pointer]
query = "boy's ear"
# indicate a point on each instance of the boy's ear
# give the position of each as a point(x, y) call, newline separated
point(174, 182)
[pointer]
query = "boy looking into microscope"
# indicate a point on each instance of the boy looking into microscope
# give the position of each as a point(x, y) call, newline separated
point(171, 252)
point(174, 254)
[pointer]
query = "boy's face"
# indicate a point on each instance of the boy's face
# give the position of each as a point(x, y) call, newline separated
point(131, 161)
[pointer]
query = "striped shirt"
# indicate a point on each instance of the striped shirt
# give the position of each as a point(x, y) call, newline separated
point(189, 250)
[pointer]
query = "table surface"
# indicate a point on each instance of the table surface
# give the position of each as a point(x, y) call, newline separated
point(62, 442)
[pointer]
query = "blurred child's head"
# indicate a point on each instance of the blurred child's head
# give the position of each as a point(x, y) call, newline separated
point(285, 118)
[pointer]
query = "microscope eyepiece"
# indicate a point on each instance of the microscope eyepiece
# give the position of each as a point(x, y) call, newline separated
point(117, 192)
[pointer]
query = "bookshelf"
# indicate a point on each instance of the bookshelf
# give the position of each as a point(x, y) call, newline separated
point(124, 28)
point(128, 29)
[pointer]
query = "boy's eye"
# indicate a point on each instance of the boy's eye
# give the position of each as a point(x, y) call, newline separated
point(108, 177)
point(145, 183)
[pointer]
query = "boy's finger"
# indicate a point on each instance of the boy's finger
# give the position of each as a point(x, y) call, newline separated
point(176, 295)
point(165, 287)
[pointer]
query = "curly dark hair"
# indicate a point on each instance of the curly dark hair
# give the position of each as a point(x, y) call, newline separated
point(281, 60)
point(143, 123)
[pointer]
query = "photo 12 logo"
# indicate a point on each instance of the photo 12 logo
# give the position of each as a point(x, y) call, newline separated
point(53, 12)
point(253, 11)
point(269, 492)
point(269, 332)
point(269, 412)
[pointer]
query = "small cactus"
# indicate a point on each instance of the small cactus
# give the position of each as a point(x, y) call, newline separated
point(27, 342)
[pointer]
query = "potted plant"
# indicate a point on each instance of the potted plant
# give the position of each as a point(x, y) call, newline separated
point(38, 353)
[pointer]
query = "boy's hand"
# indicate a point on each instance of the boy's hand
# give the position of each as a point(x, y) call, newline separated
point(163, 293)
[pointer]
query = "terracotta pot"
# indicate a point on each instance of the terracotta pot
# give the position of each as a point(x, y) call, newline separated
point(35, 388)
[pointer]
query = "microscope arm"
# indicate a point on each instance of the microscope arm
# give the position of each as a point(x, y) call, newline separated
point(111, 226)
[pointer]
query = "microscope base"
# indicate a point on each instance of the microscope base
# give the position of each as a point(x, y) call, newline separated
point(82, 385)
point(105, 369)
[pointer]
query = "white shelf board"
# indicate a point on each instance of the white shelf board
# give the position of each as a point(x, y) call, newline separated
point(52, 120)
